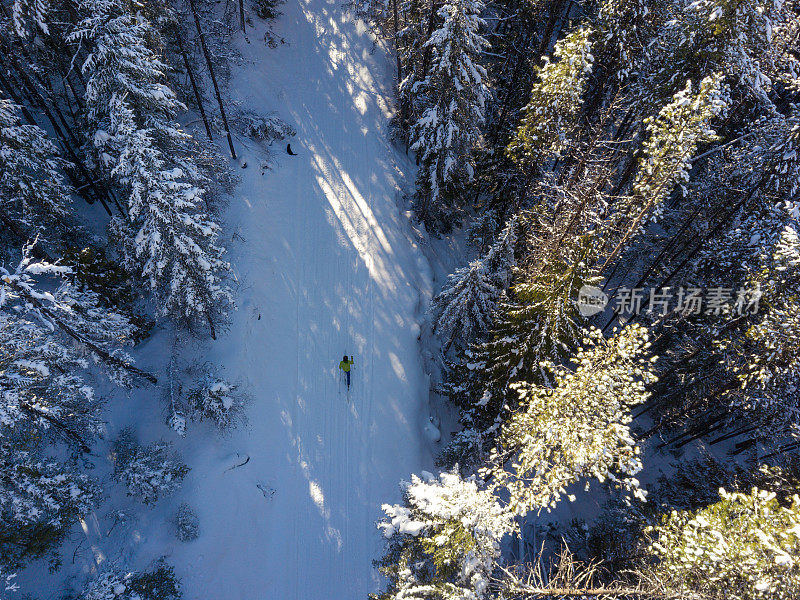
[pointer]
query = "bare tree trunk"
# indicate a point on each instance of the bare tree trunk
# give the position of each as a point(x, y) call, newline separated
point(555, 13)
point(58, 425)
point(426, 58)
point(241, 15)
point(198, 98)
point(67, 146)
point(396, 41)
point(210, 66)
point(521, 59)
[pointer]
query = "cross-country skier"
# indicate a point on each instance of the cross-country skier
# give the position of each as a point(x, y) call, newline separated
point(345, 366)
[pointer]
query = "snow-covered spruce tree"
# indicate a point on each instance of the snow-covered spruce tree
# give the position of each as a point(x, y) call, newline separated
point(66, 312)
point(465, 307)
point(410, 37)
point(744, 547)
point(33, 194)
point(149, 472)
point(166, 236)
point(578, 428)
point(501, 257)
point(537, 323)
point(448, 130)
point(49, 332)
point(550, 118)
point(40, 500)
point(443, 541)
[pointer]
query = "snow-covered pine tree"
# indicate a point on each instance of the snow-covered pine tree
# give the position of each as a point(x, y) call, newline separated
point(149, 472)
point(549, 120)
point(443, 541)
point(166, 236)
point(33, 194)
point(578, 428)
point(666, 157)
point(448, 130)
point(744, 547)
point(624, 27)
point(747, 40)
point(744, 380)
point(537, 323)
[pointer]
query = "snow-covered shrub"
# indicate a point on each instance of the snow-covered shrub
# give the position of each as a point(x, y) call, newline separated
point(443, 540)
point(215, 399)
point(744, 547)
point(158, 584)
point(265, 128)
point(148, 472)
point(267, 9)
point(187, 525)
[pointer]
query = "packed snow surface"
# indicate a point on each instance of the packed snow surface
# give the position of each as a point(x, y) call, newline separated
point(326, 265)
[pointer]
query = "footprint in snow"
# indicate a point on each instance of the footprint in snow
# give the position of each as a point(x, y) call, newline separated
point(267, 490)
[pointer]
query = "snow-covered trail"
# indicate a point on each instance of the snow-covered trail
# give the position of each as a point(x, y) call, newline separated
point(326, 267)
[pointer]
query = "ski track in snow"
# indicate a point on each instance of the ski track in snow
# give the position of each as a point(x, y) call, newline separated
point(328, 263)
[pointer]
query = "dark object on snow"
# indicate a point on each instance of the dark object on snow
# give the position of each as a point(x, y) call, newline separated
point(244, 164)
point(289, 150)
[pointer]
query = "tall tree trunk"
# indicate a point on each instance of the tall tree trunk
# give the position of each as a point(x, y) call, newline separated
point(521, 59)
point(396, 41)
point(210, 66)
point(555, 12)
point(426, 57)
point(198, 98)
point(65, 144)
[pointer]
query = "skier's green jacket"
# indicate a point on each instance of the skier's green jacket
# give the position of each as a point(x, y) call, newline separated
point(344, 365)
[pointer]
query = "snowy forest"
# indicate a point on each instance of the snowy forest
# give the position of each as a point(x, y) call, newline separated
point(559, 241)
